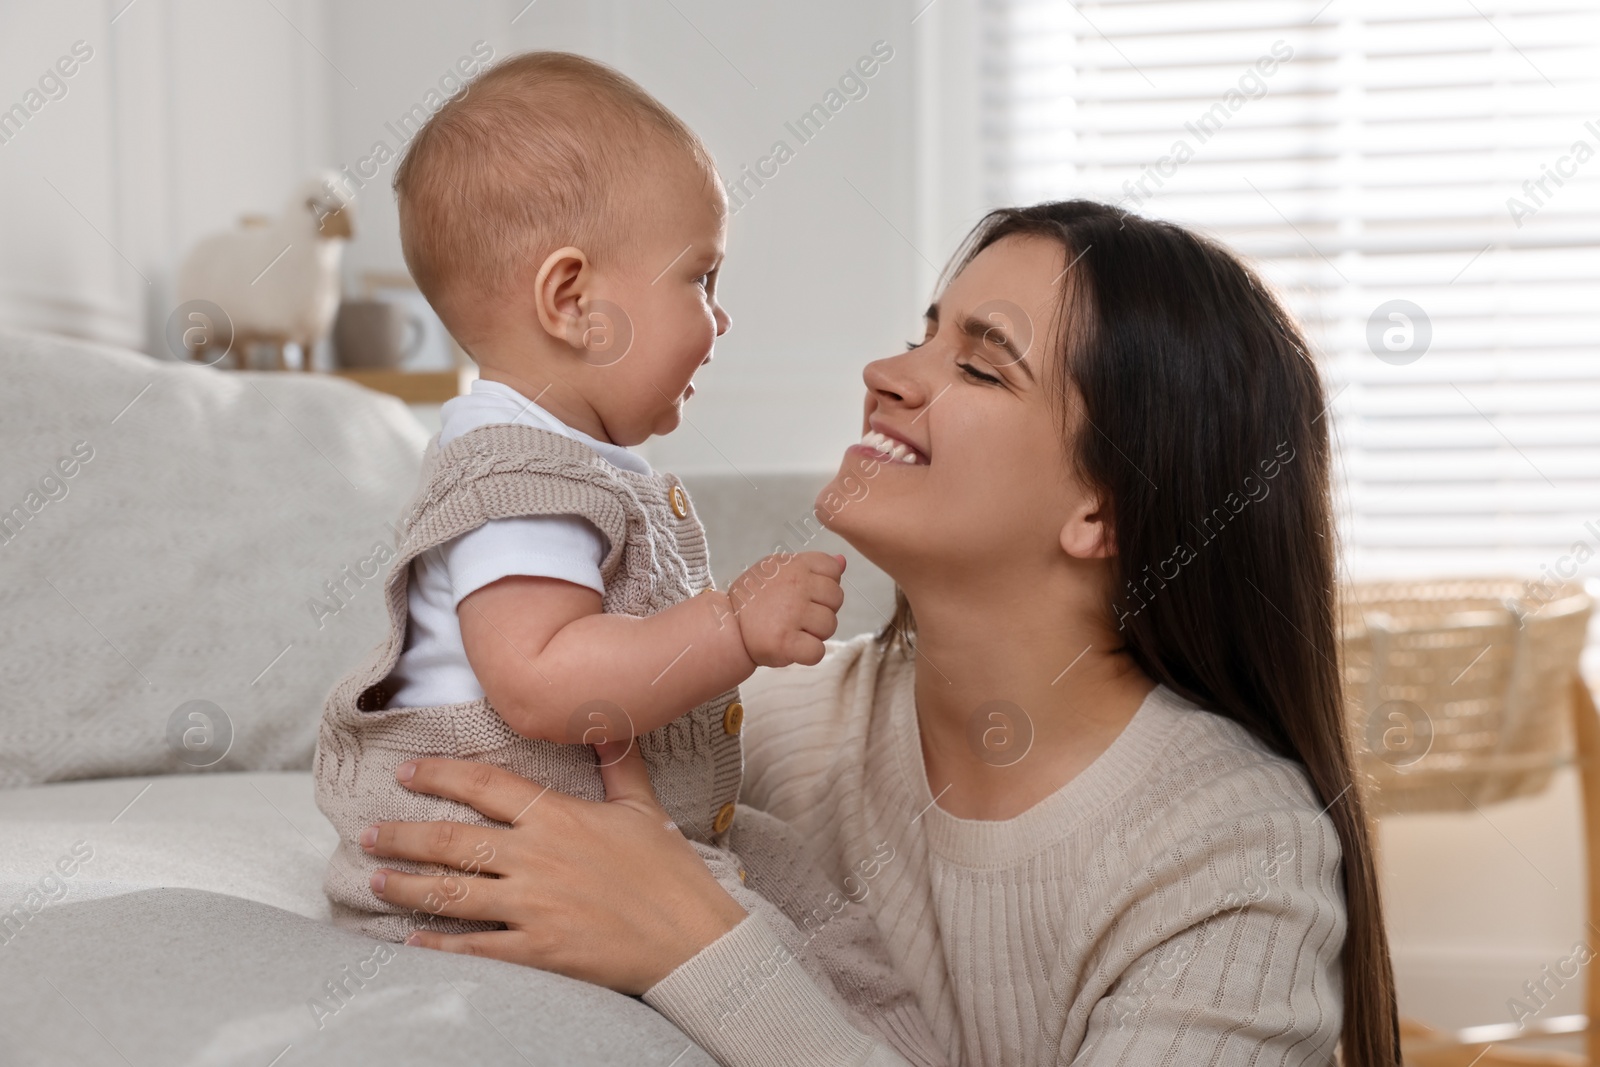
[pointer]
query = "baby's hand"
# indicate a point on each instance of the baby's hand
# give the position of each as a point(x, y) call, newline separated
point(787, 604)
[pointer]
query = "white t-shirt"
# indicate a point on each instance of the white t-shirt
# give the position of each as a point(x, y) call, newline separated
point(433, 669)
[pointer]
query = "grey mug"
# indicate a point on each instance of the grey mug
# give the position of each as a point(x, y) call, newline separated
point(372, 334)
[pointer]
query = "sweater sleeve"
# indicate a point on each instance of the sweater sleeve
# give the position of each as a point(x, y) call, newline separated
point(1254, 977)
point(744, 999)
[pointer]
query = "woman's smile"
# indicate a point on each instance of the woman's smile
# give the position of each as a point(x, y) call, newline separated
point(883, 445)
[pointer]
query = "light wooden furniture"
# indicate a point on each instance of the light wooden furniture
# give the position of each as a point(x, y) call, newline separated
point(415, 387)
point(239, 349)
point(1426, 1047)
point(1467, 693)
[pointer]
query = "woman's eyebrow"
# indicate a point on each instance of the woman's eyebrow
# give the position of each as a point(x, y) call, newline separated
point(989, 333)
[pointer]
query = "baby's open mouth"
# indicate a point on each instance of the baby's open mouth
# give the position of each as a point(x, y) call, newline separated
point(896, 451)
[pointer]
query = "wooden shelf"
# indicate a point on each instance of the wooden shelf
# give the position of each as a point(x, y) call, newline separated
point(415, 387)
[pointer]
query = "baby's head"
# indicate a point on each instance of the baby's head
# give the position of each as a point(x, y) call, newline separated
point(568, 229)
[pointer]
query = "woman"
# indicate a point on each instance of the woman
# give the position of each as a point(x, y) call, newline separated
point(1091, 781)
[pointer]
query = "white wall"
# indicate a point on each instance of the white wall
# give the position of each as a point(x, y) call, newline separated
point(1478, 902)
point(188, 114)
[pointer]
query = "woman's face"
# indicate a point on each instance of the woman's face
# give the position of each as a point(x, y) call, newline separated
point(987, 488)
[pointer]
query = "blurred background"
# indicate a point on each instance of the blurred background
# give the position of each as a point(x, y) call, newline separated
point(1418, 177)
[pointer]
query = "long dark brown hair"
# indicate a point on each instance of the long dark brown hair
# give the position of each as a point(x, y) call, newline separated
point(1193, 378)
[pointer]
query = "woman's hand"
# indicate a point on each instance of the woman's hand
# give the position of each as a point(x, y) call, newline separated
point(607, 892)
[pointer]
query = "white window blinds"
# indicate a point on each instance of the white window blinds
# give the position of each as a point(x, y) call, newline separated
point(1421, 181)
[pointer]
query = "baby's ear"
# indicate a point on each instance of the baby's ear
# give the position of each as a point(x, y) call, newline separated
point(558, 291)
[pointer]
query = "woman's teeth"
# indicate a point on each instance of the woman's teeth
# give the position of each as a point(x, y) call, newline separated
point(890, 447)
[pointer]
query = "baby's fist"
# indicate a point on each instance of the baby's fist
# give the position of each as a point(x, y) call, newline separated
point(787, 604)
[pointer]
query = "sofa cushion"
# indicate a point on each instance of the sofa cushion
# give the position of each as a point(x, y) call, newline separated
point(189, 557)
point(254, 835)
point(187, 976)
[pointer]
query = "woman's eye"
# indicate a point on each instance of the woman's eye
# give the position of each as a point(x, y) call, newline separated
point(914, 344)
point(978, 374)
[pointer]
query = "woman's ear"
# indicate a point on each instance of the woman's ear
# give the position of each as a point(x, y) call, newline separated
point(559, 294)
point(1088, 533)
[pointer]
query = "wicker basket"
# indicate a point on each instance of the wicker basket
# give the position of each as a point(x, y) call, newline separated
point(1460, 691)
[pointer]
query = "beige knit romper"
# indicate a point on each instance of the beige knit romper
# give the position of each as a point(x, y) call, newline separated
point(656, 558)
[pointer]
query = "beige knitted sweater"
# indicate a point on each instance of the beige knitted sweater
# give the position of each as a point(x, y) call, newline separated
point(1178, 903)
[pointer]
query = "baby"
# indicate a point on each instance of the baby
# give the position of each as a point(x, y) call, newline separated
point(550, 589)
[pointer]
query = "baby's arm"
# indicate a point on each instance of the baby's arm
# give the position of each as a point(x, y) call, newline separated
point(542, 647)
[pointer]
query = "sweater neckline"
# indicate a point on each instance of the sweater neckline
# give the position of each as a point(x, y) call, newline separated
point(992, 843)
point(646, 477)
point(470, 410)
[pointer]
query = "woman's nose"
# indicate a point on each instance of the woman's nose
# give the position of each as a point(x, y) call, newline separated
point(895, 378)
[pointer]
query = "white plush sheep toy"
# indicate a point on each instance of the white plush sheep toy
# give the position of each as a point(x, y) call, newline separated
point(276, 280)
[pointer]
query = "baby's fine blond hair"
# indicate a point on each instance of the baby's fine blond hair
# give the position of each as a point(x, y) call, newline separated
point(542, 150)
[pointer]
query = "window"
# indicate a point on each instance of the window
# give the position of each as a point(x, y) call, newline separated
point(1421, 181)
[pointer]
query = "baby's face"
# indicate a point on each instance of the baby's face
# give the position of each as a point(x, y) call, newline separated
point(667, 298)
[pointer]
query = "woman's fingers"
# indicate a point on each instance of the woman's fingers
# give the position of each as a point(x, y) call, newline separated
point(495, 944)
point(456, 896)
point(470, 849)
point(493, 791)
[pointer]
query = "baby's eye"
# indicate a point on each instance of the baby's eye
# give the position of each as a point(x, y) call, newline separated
point(703, 281)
